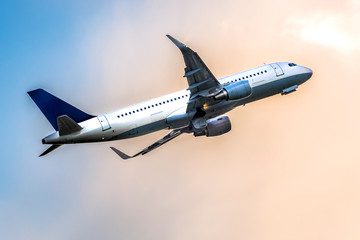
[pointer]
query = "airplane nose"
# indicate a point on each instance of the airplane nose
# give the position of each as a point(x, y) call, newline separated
point(308, 72)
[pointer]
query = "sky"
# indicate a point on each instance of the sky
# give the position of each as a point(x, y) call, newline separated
point(289, 168)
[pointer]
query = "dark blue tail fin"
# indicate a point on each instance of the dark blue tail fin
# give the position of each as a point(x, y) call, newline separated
point(53, 107)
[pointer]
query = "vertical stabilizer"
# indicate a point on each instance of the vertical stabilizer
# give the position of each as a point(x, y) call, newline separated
point(53, 107)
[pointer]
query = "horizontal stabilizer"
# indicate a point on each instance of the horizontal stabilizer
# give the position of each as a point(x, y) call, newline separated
point(67, 126)
point(50, 149)
point(53, 107)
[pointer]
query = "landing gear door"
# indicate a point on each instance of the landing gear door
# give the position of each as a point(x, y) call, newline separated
point(277, 69)
point(104, 122)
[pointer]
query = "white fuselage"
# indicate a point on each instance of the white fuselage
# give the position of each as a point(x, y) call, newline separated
point(169, 111)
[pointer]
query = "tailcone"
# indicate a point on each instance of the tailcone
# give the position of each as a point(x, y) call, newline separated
point(53, 138)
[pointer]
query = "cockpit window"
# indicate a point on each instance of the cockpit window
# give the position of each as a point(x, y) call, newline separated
point(292, 64)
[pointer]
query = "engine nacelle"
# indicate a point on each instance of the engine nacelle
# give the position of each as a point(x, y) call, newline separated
point(215, 127)
point(234, 91)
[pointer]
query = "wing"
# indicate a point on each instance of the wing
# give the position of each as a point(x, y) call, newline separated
point(173, 134)
point(202, 83)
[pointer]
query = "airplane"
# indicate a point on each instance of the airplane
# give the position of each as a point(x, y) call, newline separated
point(198, 110)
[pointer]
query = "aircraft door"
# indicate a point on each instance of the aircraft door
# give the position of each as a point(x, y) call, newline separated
point(104, 122)
point(277, 69)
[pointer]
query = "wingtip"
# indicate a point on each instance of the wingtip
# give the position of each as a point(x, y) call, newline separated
point(179, 44)
point(120, 154)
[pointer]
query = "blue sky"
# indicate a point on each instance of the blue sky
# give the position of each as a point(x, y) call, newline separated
point(287, 168)
point(36, 41)
point(38, 47)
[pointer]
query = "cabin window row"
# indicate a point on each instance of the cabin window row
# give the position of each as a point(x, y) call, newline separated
point(245, 77)
point(151, 106)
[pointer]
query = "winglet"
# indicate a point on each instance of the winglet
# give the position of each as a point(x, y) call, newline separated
point(180, 45)
point(121, 154)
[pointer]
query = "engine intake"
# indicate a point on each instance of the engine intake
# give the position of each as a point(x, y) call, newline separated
point(215, 127)
point(234, 91)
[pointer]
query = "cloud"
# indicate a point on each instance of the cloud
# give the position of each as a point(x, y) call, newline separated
point(328, 28)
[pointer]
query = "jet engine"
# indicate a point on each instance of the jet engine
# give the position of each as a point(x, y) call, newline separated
point(234, 91)
point(215, 127)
